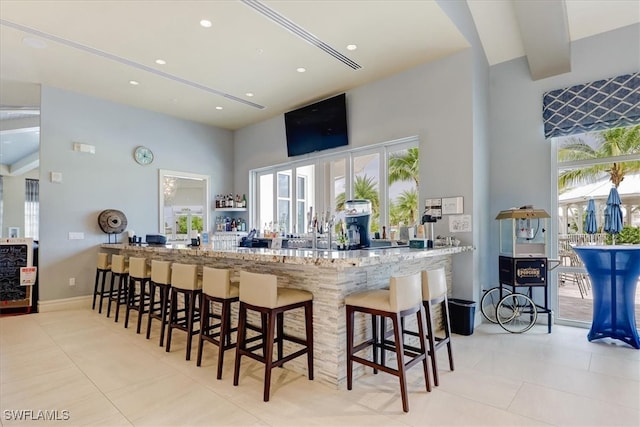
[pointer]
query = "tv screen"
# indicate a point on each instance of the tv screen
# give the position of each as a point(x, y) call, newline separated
point(317, 127)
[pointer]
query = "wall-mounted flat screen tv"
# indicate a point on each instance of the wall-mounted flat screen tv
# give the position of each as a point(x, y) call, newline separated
point(316, 127)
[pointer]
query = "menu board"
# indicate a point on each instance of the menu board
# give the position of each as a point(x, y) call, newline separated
point(14, 254)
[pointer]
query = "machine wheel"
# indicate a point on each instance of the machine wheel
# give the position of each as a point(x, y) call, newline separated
point(489, 303)
point(516, 313)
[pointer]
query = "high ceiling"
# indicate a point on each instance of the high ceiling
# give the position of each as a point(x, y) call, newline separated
point(243, 68)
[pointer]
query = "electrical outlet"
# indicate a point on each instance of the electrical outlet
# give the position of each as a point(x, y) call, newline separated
point(72, 281)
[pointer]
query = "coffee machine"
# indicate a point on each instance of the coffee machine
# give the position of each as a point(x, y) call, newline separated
point(357, 217)
point(430, 220)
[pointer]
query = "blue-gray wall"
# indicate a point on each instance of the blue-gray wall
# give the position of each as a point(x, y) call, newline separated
point(110, 178)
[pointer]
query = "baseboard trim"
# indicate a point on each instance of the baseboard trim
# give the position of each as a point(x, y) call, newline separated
point(64, 304)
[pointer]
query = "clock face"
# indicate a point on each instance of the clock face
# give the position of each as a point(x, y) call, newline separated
point(143, 155)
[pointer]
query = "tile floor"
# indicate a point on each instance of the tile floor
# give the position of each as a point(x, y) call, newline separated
point(95, 372)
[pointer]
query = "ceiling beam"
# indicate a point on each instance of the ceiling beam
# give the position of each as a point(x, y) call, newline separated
point(545, 35)
point(25, 164)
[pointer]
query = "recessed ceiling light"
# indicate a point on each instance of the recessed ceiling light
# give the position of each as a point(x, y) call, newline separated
point(249, 94)
point(133, 82)
point(160, 61)
point(351, 47)
point(301, 69)
point(34, 42)
point(218, 108)
point(205, 23)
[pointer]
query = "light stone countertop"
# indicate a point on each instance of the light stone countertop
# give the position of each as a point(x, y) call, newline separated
point(351, 258)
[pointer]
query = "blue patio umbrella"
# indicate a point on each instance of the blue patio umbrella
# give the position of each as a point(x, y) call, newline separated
point(613, 214)
point(590, 224)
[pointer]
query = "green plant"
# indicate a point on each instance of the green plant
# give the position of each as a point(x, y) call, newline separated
point(628, 234)
point(196, 224)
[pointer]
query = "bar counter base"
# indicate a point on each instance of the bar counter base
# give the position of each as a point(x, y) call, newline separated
point(329, 275)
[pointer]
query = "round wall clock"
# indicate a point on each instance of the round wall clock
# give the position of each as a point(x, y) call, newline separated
point(143, 155)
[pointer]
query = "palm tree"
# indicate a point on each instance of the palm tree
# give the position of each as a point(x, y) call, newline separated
point(404, 166)
point(407, 203)
point(611, 143)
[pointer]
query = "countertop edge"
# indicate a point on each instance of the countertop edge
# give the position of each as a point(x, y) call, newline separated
point(334, 258)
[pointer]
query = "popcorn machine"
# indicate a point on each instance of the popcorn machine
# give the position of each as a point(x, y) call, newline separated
point(522, 263)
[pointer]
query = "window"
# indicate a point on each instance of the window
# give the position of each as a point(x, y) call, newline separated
point(403, 187)
point(32, 208)
point(366, 184)
point(324, 183)
point(284, 202)
point(588, 166)
point(304, 196)
point(265, 202)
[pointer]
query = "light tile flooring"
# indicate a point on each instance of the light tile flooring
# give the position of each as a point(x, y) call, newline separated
point(102, 374)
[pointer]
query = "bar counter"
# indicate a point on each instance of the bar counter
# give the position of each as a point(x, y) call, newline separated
point(329, 275)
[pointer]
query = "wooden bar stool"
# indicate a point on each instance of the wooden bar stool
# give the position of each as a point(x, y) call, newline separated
point(160, 283)
point(137, 294)
point(216, 328)
point(119, 274)
point(185, 283)
point(102, 269)
point(260, 293)
point(403, 298)
point(434, 292)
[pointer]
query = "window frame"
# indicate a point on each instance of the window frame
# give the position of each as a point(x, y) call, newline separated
point(323, 186)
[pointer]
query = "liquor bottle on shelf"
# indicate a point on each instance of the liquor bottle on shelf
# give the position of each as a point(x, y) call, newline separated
point(244, 201)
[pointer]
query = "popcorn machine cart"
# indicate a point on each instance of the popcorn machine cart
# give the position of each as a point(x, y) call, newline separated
point(523, 264)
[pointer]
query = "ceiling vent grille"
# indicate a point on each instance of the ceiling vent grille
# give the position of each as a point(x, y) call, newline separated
point(300, 32)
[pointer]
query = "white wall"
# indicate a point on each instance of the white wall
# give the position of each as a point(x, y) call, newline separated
point(110, 178)
point(520, 156)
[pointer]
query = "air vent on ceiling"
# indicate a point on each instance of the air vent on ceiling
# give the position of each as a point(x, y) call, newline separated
point(300, 32)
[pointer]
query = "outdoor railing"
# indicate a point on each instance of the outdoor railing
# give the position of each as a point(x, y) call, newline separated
point(565, 241)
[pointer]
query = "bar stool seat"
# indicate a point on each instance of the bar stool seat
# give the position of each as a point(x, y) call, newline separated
point(119, 276)
point(185, 283)
point(102, 269)
point(160, 283)
point(216, 328)
point(137, 293)
point(403, 298)
point(260, 292)
point(434, 292)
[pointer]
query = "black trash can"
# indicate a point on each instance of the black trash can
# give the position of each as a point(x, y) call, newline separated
point(462, 314)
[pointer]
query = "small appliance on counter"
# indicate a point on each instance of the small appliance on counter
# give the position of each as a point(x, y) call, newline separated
point(357, 216)
point(431, 220)
point(155, 239)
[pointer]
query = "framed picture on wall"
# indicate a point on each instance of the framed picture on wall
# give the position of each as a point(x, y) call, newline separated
point(13, 232)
